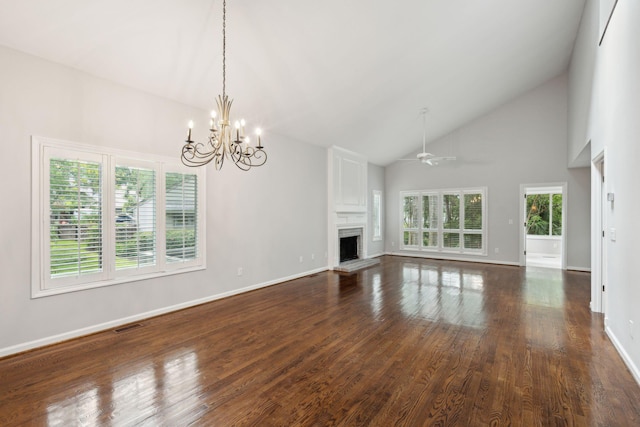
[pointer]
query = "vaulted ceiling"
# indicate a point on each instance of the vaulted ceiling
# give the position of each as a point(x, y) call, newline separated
point(353, 73)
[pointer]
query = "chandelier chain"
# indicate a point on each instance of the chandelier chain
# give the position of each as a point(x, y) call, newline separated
point(224, 48)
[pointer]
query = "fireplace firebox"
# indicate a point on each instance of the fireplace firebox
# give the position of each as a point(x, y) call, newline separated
point(348, 248)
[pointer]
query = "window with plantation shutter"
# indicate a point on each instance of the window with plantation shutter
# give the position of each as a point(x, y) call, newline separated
point(430, 230)
point(449, 220)
point(135, 217)
point(473, 220)
point(75, 218)
point(410, 220)
point(102, 217)
point(181, 211)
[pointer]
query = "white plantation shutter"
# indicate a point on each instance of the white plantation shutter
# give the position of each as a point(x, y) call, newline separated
point(473, 220)
point(103, 217)
point(430, 220)
point(452, 221)
point(181, 208)
point(74, 206)
point(135, 220)
point(411, 220)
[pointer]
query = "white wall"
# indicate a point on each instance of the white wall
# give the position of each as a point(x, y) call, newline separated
point(615, 129)
point(375, 178)
point(521, 142)
point(581, 71)
point(262, 220)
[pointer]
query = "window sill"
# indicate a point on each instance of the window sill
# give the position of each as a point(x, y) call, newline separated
point(37, 292)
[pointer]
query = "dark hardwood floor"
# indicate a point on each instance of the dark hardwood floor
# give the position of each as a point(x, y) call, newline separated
point(409, 342)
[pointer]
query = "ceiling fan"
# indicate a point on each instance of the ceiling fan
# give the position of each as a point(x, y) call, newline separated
point(424, 156)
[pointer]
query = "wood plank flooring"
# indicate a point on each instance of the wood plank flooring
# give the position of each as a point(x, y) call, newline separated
point(409, 342)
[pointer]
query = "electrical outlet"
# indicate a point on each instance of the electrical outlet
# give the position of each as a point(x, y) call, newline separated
point(393, 244)
point(239, 271)
point(510, 222)
point(496, 250)
point(301, 259)
point(313, 256)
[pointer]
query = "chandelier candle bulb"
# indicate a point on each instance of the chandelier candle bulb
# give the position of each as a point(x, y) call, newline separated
point(213, 120)
point(190, 127)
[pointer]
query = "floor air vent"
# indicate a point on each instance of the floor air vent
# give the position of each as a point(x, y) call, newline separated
point(127, 328)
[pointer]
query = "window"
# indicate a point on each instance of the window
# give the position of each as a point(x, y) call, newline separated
point(103, 217)
point(135, 217)
point(544, 214)
point(444, 220)
point(410, 222)
point(181, 207)
point(376, 215)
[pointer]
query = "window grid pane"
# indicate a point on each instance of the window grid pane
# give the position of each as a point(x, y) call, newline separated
point(75, 223)
point(135, 217)
point(451, 240)
point(472, 241)
point(473, 211)
point(411, 238)
point(181, 215)
point(410, 210)
point(430, 212)
point(451, 211)
point(556, 214)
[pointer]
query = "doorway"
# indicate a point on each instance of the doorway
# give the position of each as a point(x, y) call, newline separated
point(544, 224)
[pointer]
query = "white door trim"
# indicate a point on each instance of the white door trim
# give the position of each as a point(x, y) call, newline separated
point(523, 217)
point(598, 226)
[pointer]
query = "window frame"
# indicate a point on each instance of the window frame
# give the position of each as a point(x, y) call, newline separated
point(376, 216)
point(439, 205)
point(43, 149)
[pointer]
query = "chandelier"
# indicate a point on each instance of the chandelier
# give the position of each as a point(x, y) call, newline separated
point(224, 142)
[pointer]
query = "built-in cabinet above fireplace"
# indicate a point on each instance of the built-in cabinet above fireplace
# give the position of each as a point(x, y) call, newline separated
point(347, 201)
point(348, 171)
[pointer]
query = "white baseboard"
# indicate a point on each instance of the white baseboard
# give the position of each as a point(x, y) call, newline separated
point(583, 269)
point(452, 258)
point(625, 356)
point(54, 339)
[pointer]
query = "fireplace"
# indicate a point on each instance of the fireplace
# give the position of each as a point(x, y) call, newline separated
point(350, 244)
point(348, 248)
